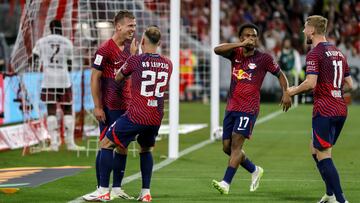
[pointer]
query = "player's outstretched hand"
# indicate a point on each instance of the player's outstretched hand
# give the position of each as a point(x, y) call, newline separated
point(285, 101)
point(290, 90)
point(99, 114)
point(134, 46)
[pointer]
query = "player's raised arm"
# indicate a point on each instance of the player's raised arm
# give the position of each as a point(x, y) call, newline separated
point(96, 94)
point(286, 98)
point(126, 69)
point(226, 49)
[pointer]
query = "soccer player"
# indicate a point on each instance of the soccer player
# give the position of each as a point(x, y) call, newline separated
point(249, 67)
point(327, 72)
point(111, 98)
point(150, 75)
point(54, 54)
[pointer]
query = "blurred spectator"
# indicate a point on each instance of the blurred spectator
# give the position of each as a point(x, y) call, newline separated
point(3, 54)
point(346, 47)
point(289, 61)
point(188, 62)
point(274, 19)
point(280, 21)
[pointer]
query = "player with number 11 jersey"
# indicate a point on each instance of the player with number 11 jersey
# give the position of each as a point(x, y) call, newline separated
point(328, 75)
point(328, 98)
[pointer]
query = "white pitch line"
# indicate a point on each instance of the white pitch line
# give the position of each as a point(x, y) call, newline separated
point(182, 153)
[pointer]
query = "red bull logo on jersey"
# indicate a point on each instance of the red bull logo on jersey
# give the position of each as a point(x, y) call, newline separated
point(241, 74)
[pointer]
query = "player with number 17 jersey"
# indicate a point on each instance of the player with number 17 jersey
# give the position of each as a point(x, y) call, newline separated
point(150, 75)
point(326, 61)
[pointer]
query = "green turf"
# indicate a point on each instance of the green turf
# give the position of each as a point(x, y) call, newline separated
point(280, 146)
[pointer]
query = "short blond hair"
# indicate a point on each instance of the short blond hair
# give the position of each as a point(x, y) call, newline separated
point(153, 33)
point(318, 22)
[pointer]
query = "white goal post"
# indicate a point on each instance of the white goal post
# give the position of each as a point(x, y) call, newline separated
point(87, 23)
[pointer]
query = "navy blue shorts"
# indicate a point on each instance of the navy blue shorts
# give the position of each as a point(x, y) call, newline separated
point(238, 122)
point(123, 131)
point(326, 130)
point(111, 116)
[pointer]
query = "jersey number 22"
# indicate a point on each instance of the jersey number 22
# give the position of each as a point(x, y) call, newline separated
point(152, 81)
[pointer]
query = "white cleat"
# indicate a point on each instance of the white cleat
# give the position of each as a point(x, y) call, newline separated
point(117, 192)
point(144, 198)
point(255, 178)
point(222, 187)
point(98, 195)
point(328, 199)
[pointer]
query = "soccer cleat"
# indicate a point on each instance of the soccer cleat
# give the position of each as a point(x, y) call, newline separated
point(97, 196)
point(144, 198)
point(328, 199)
point(255, 178)
point(223, 189)
point(117, 192)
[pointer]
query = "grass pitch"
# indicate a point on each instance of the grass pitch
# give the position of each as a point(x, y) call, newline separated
point(279, 145)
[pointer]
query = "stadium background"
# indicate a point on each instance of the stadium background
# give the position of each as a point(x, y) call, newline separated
point(277, 20)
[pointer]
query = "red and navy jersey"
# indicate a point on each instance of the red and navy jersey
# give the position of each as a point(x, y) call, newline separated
point(326, 61)
point(108, 59)
point(246, 79)
point(150, 75)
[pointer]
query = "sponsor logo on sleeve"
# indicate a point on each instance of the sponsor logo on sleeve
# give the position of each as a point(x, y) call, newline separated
point(310, 66)
point(98, 59)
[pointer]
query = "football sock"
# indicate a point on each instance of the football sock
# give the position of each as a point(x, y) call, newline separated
point(248, 165)
point(229, 174)
point(118, 168)
point(52, 125)
point(331, 175)
point(97, 167)
point(328, 187)
point(146, 166)
point(106, 164)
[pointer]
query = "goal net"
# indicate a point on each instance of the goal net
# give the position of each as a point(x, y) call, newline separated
point(88, 23)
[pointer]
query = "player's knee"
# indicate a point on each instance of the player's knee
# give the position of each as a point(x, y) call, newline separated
point(237, 142)
point(67, 109)
point(226, 146)
point(323, 153)
point(106, 144)
point(121, 150)
point(227, 150)
point(146, 149)
point(51, 109)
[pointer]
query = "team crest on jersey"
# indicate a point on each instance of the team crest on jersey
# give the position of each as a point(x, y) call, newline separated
point(241, 74)
point(252, 66)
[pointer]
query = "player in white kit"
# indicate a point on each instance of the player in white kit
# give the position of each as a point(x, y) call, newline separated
point(54, 54)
